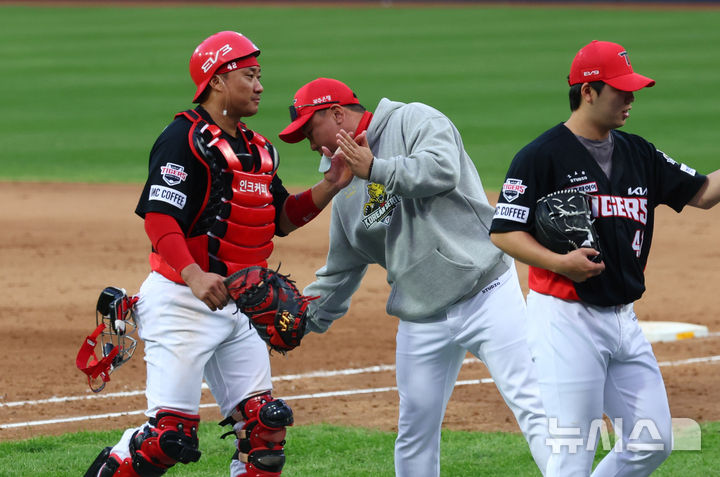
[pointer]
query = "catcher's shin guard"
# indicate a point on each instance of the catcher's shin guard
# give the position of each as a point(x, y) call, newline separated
point(107, 465)
point(168, 438)
point(262, 435)
point(98, 463)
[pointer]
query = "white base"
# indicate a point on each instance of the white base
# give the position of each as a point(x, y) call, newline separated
point(656, 331)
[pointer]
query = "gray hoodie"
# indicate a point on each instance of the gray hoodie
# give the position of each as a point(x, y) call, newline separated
point(423, 216)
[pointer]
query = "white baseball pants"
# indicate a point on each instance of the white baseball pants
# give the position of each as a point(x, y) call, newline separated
point(592, 360)
point(429, 355)
point(184, 342)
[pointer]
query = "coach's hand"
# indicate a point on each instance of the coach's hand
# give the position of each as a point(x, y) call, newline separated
point(358, 155)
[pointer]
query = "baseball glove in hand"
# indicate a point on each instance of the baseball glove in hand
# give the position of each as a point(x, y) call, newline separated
point(272, 302)
point(563, 222)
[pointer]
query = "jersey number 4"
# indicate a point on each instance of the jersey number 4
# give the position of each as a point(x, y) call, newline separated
point(638, 241)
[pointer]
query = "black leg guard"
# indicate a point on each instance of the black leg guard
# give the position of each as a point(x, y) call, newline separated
point(112, 466)
point(168, 438)
point(106, 465)
point(98, 463)
point(262, 437)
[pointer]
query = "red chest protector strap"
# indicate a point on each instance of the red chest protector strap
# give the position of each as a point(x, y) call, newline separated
point(198, 246)
point(267, 162)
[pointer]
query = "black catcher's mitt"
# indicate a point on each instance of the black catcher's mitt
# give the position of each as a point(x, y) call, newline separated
point(563, 222)
point(273, 303)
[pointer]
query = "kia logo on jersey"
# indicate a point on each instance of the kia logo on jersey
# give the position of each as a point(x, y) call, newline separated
point(637, 190)
point(173, 174)
point(512, 189)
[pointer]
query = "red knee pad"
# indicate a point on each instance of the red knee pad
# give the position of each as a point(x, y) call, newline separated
point(169, 438)
point(262, 437)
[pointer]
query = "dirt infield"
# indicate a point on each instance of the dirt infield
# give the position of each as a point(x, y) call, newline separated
point(61, 244)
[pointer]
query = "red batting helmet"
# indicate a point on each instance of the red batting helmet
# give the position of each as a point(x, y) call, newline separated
point(215, 51)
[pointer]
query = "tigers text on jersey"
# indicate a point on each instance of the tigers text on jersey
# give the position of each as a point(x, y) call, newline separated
point(642, 178)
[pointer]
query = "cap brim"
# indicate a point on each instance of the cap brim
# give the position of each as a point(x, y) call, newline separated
point(631, 82)
point(292, 133)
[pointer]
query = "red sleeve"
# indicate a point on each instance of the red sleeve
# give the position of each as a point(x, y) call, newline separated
point(168, 240)
point(300, 208)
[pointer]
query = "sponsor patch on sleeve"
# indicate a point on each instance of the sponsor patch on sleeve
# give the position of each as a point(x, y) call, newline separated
point(173, 174)
point(512, 189)
point(683, 167)
point(166, 194)
point(668, 158)
point(687, 170)
point(516, 213)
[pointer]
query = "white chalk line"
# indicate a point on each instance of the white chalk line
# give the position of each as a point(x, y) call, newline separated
point(286, 377)
point(706, 359)
point(372, 369)
point(202, 406)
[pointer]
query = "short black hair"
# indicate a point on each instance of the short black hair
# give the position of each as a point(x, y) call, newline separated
point(574, 93)
point(358, 108)
point(203, 96)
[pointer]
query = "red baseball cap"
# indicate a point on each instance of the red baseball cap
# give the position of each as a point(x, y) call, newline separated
point(608, 62)
point(314, 96)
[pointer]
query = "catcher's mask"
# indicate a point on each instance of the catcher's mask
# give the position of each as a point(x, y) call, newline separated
point(115, 319)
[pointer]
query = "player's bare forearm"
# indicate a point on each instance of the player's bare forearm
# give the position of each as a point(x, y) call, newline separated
point(324, 191)
point(522, 246)
point(709, 194)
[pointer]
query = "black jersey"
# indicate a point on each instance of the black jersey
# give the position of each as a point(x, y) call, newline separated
point(177, 181)
point(642, 178)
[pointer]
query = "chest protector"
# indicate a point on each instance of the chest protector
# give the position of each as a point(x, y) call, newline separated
point(235, 225)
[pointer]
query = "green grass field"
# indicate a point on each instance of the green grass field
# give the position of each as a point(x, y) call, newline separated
point(87, 90)
point(332, 451)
